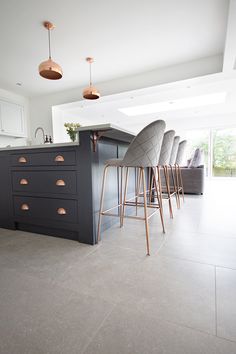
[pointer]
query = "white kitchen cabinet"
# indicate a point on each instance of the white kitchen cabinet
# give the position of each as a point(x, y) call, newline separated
point(12, 119)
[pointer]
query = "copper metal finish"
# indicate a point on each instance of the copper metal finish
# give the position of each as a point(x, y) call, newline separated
point(145, 210)
point(60, 183)
point(49, 69)
point(133, 201)
point(59, 158)
point(24, 207)
point(49, 25)
point(120, 196)
point(22, 159)
point(125, 193)
point(90, 60)
point(61, 211)
point(159, 195)
point(174, 185)
point(95, 136)
point(90, 92)
point(101, 202)
point(24, 181)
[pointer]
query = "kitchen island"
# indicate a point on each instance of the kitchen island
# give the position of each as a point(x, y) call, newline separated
point(55, 189)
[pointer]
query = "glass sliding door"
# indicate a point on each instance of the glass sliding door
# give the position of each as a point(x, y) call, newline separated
point(199, 139)
point(224, 153)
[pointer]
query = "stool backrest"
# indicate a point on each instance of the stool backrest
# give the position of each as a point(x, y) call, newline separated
point(174, 150)
point(144, 150)
point(180, 153)
point(166, 147)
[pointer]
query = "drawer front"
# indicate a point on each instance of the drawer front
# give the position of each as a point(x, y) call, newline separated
point(59, 182)
point(46, 208)
point(57, 158)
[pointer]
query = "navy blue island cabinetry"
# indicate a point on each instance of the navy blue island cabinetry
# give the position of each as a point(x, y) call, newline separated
point(55, 189)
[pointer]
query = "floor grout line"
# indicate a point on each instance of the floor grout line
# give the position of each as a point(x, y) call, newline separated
point(98, 329)
point(197, 262)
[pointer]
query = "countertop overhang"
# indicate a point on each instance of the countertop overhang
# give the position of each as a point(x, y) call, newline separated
point(110, 131)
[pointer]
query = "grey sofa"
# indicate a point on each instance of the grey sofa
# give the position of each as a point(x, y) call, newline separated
point(193, 179)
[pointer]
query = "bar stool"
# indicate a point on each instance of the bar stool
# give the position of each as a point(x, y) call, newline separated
point(142, 153)
point(164, 159)
point(178, 162)
point(173, 169)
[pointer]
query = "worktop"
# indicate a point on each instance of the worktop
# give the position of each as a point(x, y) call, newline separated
point(40, 146)
point(55, 189)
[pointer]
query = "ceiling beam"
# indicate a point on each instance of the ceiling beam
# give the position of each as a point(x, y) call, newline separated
point(230, 40)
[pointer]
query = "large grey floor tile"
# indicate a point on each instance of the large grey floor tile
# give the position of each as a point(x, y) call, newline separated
point(131, 332)
point(104, 273)
point(132, 236)
point(43, 256)
point(226, 304)
point(38, 317)
point(219, 251)
point(179, 291)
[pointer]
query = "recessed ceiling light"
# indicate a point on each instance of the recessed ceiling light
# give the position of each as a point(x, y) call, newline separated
point(183, 103)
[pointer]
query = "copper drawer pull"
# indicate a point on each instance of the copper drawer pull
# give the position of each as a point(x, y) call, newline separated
point(22, 159)
point(24, 207)
point(59, 158)
point(24, 181)
point(60, 183)
point(61, 211)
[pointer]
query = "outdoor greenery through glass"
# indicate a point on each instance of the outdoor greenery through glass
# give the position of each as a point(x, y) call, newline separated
point(198, 139)
point(224, 153)
point(221, 144)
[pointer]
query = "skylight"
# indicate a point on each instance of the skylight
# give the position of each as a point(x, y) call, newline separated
point(183, 103)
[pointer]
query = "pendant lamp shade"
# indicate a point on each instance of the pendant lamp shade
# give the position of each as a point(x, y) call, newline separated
point(90, 92)
point(48, 69)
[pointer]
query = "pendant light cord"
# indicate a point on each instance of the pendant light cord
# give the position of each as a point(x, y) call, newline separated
point(49, 44)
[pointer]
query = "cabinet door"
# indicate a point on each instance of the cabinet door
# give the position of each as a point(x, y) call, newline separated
point(12, 119)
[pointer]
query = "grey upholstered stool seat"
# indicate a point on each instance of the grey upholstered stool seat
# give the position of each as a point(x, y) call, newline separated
point(178, 162)
point(166, 149)
point(114, 162)
point(142, 153)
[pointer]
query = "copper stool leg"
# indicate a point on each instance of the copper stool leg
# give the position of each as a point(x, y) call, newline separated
point(159, 196)
point(121, 193)
point(101, 203)
point(166, 174)
point(174, 185)
point(145, 210)
point(125, 193)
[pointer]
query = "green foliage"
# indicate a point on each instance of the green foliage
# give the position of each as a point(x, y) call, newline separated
point(224, 152)
point(71, 129)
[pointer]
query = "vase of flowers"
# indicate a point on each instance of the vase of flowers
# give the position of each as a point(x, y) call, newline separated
point(71, 129)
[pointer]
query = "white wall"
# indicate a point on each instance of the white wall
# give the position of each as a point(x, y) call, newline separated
point(23, 101)
point(41, 106)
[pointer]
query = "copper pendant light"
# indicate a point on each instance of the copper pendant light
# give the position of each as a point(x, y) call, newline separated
point(90, 93)
point(49, 69)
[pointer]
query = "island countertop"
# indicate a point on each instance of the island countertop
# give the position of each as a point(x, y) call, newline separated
point(105, 130)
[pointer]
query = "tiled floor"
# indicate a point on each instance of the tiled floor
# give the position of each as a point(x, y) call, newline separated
point(58, 296)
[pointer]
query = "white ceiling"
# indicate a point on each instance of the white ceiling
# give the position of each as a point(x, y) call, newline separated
point(125, 37)
point(106, 110)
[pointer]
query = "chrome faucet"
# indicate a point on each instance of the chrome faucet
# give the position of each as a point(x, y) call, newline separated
point(36, 131)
